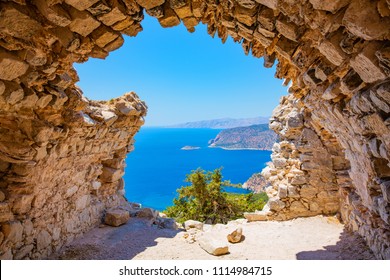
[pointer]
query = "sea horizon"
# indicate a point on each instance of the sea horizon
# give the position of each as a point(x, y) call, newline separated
point(158, 166)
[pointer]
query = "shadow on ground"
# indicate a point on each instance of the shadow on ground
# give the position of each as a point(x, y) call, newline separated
point(115, 243)
point(351, 246)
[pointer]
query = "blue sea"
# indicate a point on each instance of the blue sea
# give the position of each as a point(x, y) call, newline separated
point(158, 166)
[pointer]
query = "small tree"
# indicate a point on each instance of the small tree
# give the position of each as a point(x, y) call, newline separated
point(205, 200)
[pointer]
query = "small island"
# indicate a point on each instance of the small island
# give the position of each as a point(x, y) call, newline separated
point(190, 148)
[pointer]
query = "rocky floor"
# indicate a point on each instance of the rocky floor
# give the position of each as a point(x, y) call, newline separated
point(315, 238)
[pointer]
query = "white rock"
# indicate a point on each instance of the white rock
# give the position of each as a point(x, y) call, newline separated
point(213, 246)
point(193, 224)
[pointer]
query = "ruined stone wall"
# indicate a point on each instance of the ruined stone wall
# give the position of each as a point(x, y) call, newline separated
point(61, 156)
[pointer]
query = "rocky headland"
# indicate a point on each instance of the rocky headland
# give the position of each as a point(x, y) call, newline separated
point(254, 137)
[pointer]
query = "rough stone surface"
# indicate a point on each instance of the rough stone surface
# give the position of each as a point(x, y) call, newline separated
point(235, 236)
point(116, 217)
point(212, 245)
point(193, 224)
point(333, 154)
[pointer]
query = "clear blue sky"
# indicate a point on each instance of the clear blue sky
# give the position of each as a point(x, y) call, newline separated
point(183, 76)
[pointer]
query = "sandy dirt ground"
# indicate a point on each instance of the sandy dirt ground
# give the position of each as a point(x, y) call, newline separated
point(315, 238)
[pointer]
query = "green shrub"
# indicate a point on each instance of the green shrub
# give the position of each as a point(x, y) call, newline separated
point(204, 199)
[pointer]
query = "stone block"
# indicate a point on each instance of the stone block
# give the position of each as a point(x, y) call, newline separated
point(15, 97)
point(55, 13)
point(82, 22)
point(149, 4)
point(282, 191)
point(275, 204)
point(111, 174)
point(117, 43)
point(198, 8)
point(103, 36)
point(116, 217)
point(298, 180)
point(82, 202)
point(308, 191)
point(378, 102)
point(385, 187)
point(288, 29)
point(236, 236)
point(170, 18)
point(212, 245)
point(15, 21)
point(332, 91)
point(13, 231)
point(193, 224)
point(363, 20)
point(5, 212)
point(266, 19)
point(256, 216)
point(279, 162)
point(147, 213)
point(117, 13)
point(366, 64)
point(81, 4)
point(11, 67)
point(23, 252)
point(383, 92)
point(292, 191)
point(121, 25)
point(132, 30)
point(245, 15)
point(168, 223)
point(272, 4)
point(190, 22)
point(184, 11)
point(286, 47)
point(297, 207)
point(7, 255)
point(331, 49)
point(22, 204)
point(330, 6)
point(43, 240)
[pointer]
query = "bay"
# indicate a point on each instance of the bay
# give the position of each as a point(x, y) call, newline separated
point(158, 166)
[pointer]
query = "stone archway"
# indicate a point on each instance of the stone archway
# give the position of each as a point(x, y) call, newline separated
point(61, 155)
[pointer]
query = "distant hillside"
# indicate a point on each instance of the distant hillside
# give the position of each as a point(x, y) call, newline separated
point(258, 137)
point(223, 123)
point(256, 183)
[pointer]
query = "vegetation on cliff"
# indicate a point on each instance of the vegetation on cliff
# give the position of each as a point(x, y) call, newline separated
point(258, 137)
point(256, 183)
point(204, 200)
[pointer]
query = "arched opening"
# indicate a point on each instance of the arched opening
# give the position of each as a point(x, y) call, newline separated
point(62, 166)
point(184, 77)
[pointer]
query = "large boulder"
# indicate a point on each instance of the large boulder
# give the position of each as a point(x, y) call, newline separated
point(116, 217)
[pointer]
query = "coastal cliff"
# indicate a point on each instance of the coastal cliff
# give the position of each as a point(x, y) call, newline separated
point(254, 137)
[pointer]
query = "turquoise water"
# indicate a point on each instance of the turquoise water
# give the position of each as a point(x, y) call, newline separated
point(158, 166)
